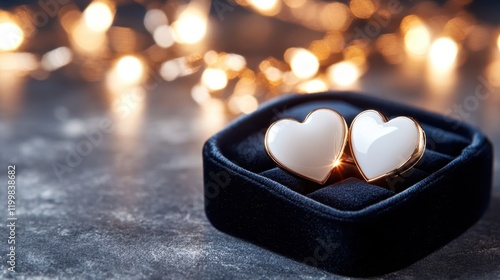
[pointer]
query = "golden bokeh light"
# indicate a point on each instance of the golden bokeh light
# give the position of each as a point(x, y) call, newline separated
point(498, 42)
point(390, 46)
point(56, 58)
point(334, 16)
point(98, 16)
point(190, 27)
point(493, 73)
point(163, 36)
point(11, 35)
point(312, 86)
point(294, 3)
point(303, 63)
point(344, 73)
point(266, 7)
point(443, 53)
point(154, 18)
point(18, 62)
point(242, 104)
point(356, 53)
point(214, 79)
point(80, 39)
point(130, 68)
point(362, 8)
point(417, 39)
point(234, 62)
point(200, 94)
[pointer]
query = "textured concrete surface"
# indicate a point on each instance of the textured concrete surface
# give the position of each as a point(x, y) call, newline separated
point(132, 208)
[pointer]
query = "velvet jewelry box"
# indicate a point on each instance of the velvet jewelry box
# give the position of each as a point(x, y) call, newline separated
point(347, 226)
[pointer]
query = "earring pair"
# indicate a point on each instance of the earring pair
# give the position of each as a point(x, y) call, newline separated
point(314, 148)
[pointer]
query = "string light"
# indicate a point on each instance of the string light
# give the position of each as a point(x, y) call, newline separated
point(344, 73)
point(498, 42)
point(417, 39)
point(214, 79)
point(98, 16)
point(11, 36)
point(303, 63)
point(57, 58)
point(336, 59)
point(129, 69)
point(190, 27)
point(443, 53)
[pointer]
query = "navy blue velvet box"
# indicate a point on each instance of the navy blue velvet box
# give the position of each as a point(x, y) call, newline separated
point(347, 226)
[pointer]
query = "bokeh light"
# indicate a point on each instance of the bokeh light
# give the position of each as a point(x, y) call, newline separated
point(57, 58)
point(11, 36)
point(129, 69)
point(163, 36)
point(243, 104)
point(200, 94)
point(98, 16)
point(443, 53)
point(344, 73)
point(154, 18)
point(498, 42)
point(214, 79)
point(190, 27)
point(417, 39)
point(303, 63)
point(315, 85)
point(362, 8)
point(266, 7)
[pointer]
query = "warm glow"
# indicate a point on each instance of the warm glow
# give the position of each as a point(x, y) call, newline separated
point(163, 36)
point(214, 79)
point(295, 3)
point(443, 53)
point(362, 8)
point(243, 104)
point(170, 70)
point(98, 16)
point(57, 58)
point(129, 69)
point(273, 74)
point(344, 73)
point(200, 94)
point(17, 62)
point(493, 73)
point(80, 38)
point(268, 7)
point(417, 39)
point(11, 36)
point(303, 63)
point(177, 67)
point(190, 27)
point(154, 18)
point(312, 86)
point(498, 42)
point(235, 62)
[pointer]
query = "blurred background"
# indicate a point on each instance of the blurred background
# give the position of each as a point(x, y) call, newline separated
point(228, 56)
point(169, 74)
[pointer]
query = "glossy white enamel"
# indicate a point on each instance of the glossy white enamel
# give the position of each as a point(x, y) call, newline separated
point(381, 147)
point(311, 148)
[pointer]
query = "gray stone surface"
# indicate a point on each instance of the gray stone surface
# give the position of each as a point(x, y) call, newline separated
point(133, 207)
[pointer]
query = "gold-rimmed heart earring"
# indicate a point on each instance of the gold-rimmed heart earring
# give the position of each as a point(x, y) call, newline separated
point(312, 149)
point(382, 147)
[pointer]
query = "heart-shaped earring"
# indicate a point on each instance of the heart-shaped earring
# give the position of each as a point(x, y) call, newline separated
point(310, 149)
point(382, 148)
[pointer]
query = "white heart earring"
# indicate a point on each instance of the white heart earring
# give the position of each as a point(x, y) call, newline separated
point(312, 149)
point(383, 148)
